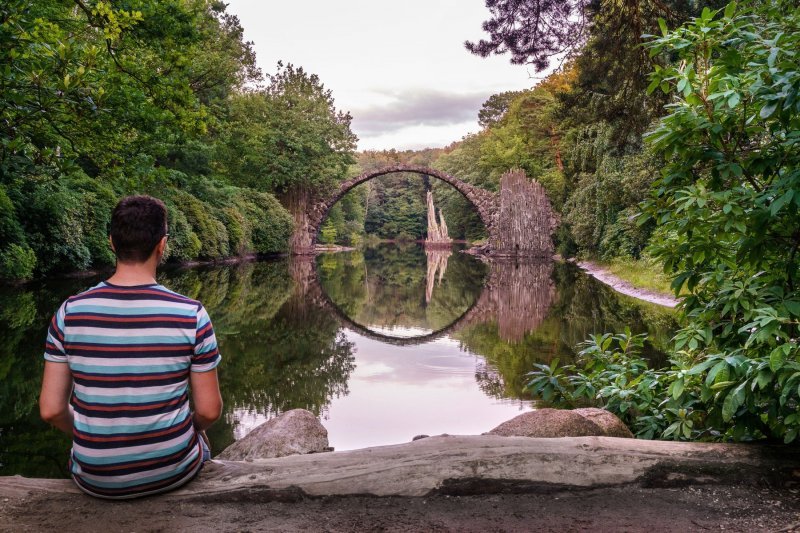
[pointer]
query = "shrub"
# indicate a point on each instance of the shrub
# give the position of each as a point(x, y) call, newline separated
point(97, 202)
point(211, 232)
point(271, 224)
point(327, 234)
point(727, 208)
point(183, 244)
point(17, 262)
point(53, 220)
point(238, 230)
point(613, 375)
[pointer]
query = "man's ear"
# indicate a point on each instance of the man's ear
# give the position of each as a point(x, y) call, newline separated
point(161, 246)
point(111, 243)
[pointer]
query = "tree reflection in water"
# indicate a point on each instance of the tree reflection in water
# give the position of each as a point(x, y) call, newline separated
point(279, 353)
point(283, 348)
point(521, 313)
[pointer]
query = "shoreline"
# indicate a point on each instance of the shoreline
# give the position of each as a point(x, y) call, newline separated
point(599, 273)
point(165, 267)
point(624, 287)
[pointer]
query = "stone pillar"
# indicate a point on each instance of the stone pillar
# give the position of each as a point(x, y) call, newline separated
point(525, 219)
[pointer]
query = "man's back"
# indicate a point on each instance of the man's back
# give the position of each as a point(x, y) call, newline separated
point(130, 350)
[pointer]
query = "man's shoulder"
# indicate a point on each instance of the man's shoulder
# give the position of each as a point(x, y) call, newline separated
point(157, 291)
point(179, 296)
point(83, 294)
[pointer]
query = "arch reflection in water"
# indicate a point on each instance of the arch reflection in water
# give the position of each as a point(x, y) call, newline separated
point(515, 295)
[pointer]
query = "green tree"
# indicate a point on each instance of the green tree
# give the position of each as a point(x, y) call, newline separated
point(727, 209)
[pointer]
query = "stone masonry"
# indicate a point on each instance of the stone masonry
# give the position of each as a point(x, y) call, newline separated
point(519, 219)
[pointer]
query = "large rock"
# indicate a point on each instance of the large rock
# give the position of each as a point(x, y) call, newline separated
point(611, 425)
point(549, 423)
point(294, 432)
point(544, 423)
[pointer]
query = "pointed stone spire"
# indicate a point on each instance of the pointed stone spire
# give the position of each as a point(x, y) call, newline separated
point(437, 231)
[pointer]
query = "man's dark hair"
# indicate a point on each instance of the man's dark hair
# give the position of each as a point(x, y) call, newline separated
point(137, 224)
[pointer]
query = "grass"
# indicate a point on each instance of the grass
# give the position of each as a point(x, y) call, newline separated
point(641, 273)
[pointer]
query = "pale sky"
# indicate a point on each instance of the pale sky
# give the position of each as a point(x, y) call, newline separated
point(400, 68)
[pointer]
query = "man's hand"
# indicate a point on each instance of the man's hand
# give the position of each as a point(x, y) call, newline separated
point(54, 399)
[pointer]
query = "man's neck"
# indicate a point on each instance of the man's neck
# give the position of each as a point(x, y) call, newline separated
point(128, 274)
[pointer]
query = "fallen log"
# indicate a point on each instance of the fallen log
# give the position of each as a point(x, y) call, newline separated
point(469, 465)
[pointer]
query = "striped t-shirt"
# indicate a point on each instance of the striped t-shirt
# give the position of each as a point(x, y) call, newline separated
point(130, 351)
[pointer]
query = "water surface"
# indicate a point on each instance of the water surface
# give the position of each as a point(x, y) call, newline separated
point(382, 344)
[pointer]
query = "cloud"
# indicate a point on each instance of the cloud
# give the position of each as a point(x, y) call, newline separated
point(417, 108)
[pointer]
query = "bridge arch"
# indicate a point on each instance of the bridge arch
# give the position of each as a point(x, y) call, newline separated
point(486, 202)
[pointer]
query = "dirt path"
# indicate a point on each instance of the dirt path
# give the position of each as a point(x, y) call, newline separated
point(619, 509)
point(624, 287)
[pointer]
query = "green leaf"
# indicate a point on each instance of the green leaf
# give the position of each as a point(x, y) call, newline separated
point(722, 385)
point(730, 10)
point(778, 204)
point(777, 358)
point(677, 388)
point(764, 378)
point(730, 405)
point(773, 56)
point(701, 367)
point(768, 110)
point(663, 25)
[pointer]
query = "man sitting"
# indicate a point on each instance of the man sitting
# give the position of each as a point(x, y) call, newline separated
point(120, 359)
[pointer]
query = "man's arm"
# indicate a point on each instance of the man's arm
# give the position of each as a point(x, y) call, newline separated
point(54, 399)
point(206, 398)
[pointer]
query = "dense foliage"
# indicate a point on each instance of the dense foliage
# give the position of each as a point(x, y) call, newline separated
point(100, 100)
point(725, 209)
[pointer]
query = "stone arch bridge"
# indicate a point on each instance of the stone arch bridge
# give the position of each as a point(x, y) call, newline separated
point(518, 218)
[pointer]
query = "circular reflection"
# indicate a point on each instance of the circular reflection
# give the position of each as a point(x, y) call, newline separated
point(401, 294)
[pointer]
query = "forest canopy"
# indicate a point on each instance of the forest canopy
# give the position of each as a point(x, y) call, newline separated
point(163, 98)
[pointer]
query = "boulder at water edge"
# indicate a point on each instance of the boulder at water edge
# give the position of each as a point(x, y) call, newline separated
point(550, 423)
point(294, 432)
point(611, 425)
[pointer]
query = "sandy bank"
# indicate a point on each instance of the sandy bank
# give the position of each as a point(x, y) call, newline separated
point(624, 287)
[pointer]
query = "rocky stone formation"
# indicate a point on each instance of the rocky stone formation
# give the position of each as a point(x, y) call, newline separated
point(294, 432)
point(551, 423)
point(437, 231)
point(611, 425)
point(545, 423)
point(525, 220)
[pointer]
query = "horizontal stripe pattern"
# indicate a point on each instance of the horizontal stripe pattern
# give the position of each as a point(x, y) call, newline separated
point(130, 351)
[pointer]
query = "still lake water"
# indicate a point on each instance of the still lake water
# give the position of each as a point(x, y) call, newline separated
point(382, 344)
